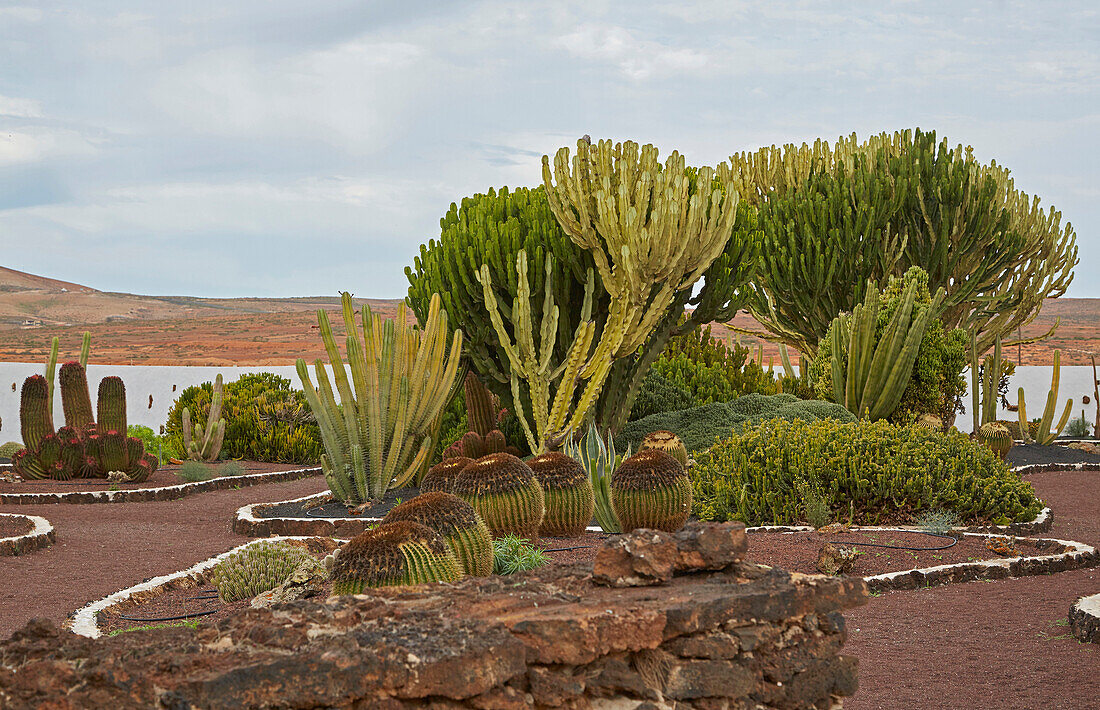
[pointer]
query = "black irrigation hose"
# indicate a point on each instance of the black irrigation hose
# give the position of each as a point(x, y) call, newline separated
point(309, 514)
point(954, 541)
point(171, 618)
point(566, 549)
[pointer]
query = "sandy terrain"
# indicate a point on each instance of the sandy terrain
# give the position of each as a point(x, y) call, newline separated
point(179, 330)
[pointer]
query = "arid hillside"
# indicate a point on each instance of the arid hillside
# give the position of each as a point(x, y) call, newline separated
point(182, 330)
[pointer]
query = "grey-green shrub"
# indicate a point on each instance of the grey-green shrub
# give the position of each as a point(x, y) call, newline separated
point(700, 426)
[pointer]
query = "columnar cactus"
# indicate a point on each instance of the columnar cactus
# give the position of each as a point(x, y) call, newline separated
point(393, 554)
point(111, 405)
point(669, 443)
point(651, 490)
point(76, 403)
point(570, 500)
point(382, 432)
point(482, 406)
point(1045, 435)
point(505, 493)
point(457, 522)
point(441, 477)
point(257, 568)
point(204, 444)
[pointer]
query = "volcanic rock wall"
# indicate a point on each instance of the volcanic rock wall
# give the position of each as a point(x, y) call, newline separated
point(659, 621)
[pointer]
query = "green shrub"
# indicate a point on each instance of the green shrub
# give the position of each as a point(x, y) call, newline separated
point(265, 419)
point(659, 394)
point(1078, 428)
point(513, 554)
point(869, 472)
point(160, 446)
point(8, 449)
point(699, 427)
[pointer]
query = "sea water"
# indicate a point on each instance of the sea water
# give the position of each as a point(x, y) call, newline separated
point(165, 383)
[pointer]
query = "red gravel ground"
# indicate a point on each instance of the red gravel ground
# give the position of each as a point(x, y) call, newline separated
point(102, 548)
point(14, 527)
point(975, 645)
point(164, 476)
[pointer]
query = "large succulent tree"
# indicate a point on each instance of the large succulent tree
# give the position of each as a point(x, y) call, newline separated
point(834, 216)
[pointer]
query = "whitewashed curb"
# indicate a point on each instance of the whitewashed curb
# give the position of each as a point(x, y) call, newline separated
point(40, 536)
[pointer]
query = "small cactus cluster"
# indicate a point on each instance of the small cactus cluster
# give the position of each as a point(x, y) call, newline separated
point(84, 447)
point(441, 477)
point(505, 493)
point(457, 522)
point(997, 437)
point(482, 414)
point(669, 443)
point(258, 568)
point(569, 497)
point(393, 554)
point(651, 490)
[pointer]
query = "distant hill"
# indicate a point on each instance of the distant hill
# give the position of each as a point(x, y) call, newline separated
point(184, 330)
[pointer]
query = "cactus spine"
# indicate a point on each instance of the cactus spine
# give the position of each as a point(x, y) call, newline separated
point(570, 500)
point(481, 406)
point(997, 437)
point(1044, 435)
point(441, 477)
point(651, 490)
point(205, 444)
point(382, 433)
point(872, 384)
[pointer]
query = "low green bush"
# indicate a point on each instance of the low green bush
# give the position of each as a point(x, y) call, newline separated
point(265, 420)
point(868, 472)
point(159, 446)
point(699, 427)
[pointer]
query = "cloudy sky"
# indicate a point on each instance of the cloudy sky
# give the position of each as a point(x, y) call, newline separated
point(289, 148)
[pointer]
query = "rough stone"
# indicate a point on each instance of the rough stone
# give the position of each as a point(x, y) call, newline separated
point(739, 636)
point(835, 559)
point(651, 557)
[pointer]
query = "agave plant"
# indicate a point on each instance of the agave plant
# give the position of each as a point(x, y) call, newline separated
point(599, 460)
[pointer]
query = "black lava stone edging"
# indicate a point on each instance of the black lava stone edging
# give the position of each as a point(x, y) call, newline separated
point(252, 520)
point(1084, 619)
point(142, 495)
point(40, 536)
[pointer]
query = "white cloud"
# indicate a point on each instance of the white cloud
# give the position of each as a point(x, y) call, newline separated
point(21, 13)
point(20, 108)
point(33, 144)
point(636, 58)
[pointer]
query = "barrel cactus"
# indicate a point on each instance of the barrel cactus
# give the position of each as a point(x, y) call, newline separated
point(457, 521)
point(505, 493)
point(651, 490)
point(929, 423)
point(258, 568)
point(997, 437)
point(441, 477)
point(393, 554)
point(570, 501)
point(669, 443)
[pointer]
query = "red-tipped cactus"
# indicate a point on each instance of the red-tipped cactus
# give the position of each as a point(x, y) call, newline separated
point(111, 406)
point(75, 401)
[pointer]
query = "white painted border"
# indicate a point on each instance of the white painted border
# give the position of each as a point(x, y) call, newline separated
point(1089, 607)
point(1077, 549)
point(42, 528)
point(109, 496)
point(83, 622)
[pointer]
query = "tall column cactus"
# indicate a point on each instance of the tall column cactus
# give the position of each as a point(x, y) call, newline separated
point(983, 388)
point(382, 431)
point(871, 382)
point(1044, 435)
point(205, 443)
point(51, 362)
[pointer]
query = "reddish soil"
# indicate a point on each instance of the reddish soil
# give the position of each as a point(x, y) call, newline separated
point(164, 476)
point(101, 549)
point(14, 527)
point(175, 603)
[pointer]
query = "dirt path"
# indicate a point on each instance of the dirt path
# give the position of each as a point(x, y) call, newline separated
point(133, 541)
point(996, 644)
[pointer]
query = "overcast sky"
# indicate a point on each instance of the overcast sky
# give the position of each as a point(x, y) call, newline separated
point(273, 148)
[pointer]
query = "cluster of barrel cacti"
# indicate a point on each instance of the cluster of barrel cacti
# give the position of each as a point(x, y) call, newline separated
point(257, 568)
point(85, 447)
point(457, 522)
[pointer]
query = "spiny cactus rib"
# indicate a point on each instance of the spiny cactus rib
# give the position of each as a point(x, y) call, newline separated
point(505, 493)
point(457, 522)
point(111, 405)
point(651, 490)
point(570, 500)
point(393, 554)
point(482, 406)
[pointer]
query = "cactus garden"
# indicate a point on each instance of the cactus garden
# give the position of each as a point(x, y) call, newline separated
point(552, 382)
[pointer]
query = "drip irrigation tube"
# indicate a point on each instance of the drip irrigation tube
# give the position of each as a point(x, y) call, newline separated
point(954, 541)
point(207, 612)
point(567, 549)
